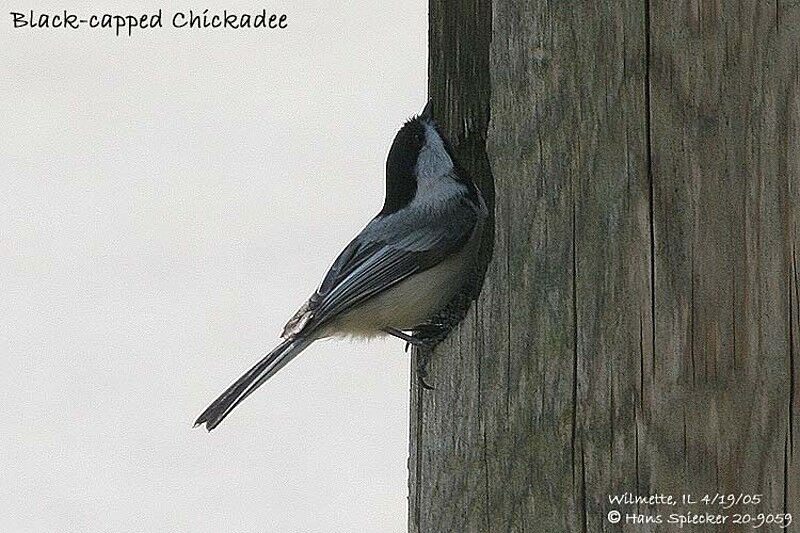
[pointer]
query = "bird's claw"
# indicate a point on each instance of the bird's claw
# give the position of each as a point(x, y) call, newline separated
point(423, 383)
point(425, 337)
point(423, 358)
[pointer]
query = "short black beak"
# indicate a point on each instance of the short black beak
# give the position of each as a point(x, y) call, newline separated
point(427, 113)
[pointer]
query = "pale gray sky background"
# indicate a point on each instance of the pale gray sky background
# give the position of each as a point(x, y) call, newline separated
point(166, 202)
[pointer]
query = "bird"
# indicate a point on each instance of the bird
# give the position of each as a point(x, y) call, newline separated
point(419, 253)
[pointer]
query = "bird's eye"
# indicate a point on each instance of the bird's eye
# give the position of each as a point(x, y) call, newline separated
point(419, 138)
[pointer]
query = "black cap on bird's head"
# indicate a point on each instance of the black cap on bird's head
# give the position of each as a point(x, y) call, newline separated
point(418, 134)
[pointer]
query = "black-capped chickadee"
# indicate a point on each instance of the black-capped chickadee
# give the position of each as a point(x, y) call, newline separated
point(404, 267)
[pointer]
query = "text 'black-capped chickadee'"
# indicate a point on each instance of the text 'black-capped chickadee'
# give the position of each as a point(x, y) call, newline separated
point(404, 267)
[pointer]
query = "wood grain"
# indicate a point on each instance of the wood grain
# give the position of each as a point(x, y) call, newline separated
point(638, 326)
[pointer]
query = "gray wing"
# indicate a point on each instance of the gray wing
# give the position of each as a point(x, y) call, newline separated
point(373, 262)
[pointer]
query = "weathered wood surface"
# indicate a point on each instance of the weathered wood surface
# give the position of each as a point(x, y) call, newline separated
point(638, 327)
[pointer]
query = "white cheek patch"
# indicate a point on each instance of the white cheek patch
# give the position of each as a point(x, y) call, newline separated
point(433, 162)
point(434, 170)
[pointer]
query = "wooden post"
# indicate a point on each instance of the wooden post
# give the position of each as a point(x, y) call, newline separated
point(638, 327)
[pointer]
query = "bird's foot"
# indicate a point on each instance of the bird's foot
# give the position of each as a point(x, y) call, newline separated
point(427, 336)
point(424, 337)
point(423, 358)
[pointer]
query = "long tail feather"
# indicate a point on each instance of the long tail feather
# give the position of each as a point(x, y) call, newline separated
point(251, 380)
